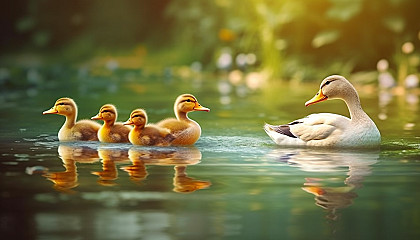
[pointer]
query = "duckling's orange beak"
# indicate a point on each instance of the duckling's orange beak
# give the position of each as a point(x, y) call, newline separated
point(128, 122)
point(198, 107)
point(50, 111)
point(319, 97)
point(97, 117)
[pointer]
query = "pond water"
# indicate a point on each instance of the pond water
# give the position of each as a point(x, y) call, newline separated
point(234, 183)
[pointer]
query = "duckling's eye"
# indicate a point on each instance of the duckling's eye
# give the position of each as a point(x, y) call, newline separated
point(61, 104)
point(104, 111)
point(136, 116)
point(188, 100)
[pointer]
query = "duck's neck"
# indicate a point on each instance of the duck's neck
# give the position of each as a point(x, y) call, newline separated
point(355, 108)
point(70, 120)
point(138, 128)
point(109, 123)
point(183, 116)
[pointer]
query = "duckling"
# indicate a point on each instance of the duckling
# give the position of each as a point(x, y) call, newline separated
point(149, 134)
point(111, 131)
point(83, 130)
point(185, 130)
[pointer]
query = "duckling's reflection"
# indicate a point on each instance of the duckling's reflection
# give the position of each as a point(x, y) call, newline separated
point(110, 156)
point(70, 154)
point(184, 184)
point(137, 171)
point(180, 158)
point(330, 192)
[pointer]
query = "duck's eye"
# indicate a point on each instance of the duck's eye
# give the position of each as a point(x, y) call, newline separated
point(135, 116)
point(61, 104)
point(188, 100)
point(327, 82)
point(104, 111)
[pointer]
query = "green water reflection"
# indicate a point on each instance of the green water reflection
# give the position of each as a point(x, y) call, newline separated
point(233, 184)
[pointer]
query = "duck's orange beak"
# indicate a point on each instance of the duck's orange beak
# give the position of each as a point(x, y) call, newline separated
point(319, 97)
point(50, 111)
point(198, 107)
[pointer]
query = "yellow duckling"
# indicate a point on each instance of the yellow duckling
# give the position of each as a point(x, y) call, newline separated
point(111, 131)
point(83, 130)
point(149, 134)
point(185, 130)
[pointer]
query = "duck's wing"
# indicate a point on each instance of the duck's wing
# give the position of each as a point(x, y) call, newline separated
point(86, 130)
point(119, 132)
point(173, 125)
point(315, 127)
point(156, 135)
point(319, 126)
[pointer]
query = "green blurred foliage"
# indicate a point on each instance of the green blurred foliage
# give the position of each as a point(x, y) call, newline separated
point(301, 39)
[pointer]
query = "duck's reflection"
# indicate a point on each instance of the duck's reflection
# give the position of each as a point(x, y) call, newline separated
point(331, 189)
point(137, 171)
point(66, 180)
point(140, 157)
point(110, 156)
point(180, 158)
point(184, 184)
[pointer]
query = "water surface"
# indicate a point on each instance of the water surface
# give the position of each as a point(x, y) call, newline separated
point(234, 183)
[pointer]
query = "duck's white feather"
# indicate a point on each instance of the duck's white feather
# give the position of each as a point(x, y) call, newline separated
point(319, 126)
point(328, 129)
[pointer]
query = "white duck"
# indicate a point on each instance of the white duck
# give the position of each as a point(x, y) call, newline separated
point(327, 129)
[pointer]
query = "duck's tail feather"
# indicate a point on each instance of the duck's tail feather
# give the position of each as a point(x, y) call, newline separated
point(282, 129)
